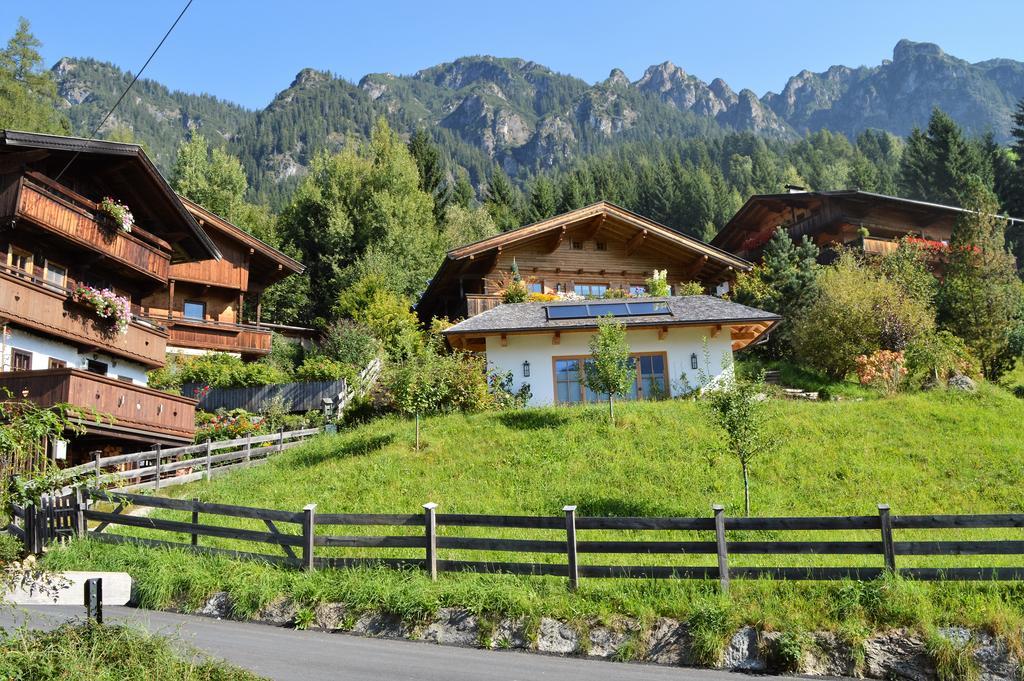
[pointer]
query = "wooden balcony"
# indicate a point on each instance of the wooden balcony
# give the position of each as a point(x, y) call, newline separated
point(48, 310)
point(219, 336)
point(60, 211)
point(124, 409)
point(481, 302)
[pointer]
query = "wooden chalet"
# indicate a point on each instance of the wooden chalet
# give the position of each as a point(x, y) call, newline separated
point(54, 237)
point(203, 302)
point(588, 251)
point(837, 218)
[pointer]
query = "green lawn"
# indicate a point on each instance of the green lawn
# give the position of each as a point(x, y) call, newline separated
point(921, 453)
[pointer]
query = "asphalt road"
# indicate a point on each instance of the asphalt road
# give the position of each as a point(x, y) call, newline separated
point(318, 656)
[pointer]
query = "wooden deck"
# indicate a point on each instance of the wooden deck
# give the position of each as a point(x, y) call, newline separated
point(221, 336)
point(48, 309)
point(122, 407)
point(61, 211)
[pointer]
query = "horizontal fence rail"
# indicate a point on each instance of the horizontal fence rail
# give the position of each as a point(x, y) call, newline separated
point(300, 538)
point(165, 467)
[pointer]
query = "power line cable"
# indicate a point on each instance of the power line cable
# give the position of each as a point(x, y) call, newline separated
point(127, 89)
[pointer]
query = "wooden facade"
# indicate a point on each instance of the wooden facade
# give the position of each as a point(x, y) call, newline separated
point(204, 302)
point(589, 251)
point(838, 218)
point(55, 238)
point(106, 407)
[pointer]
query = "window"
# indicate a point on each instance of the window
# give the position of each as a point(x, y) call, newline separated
point(591, 290)
point(638, 290)
point(21, 360)
point(195, 309)
point(649, 381)
point(601, 245)
point(535, 287)
point(56, 363)
point(19, 259)
point(577, 245)
point(55, 275)
point(96, 367)
point(125, 379)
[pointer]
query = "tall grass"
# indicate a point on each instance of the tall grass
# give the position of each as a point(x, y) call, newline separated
point(939, 452)
point(93, 652)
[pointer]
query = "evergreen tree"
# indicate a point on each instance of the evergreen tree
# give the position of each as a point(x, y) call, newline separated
point(431, 170)
point(937, 163)
point(980, 295)
point(28, 93)
point(214, 180)
point(503, 201)
point(543, 199)
point(783, 283)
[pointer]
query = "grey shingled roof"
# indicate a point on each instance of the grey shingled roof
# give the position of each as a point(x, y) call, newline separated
point(685, 310)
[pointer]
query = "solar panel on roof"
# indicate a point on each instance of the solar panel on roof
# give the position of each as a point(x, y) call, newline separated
point(616, 309)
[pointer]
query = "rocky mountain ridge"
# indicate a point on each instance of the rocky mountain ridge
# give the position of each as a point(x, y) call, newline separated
point(525, 116)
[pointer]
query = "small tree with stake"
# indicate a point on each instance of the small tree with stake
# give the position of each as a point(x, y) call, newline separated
point(610, 370)
point(737, 406)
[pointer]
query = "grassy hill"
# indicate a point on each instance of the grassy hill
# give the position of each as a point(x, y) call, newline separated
point(921, 453)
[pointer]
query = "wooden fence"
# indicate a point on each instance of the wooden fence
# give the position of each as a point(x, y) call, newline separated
point(158, 467)
point(297, 542)
point(296, 396)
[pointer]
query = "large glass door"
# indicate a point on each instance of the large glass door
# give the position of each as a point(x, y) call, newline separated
point(649, 382)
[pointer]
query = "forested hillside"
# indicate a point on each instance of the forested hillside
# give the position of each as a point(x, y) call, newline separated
point(525, 118)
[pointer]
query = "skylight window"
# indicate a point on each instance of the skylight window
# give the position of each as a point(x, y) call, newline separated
point(603, 309)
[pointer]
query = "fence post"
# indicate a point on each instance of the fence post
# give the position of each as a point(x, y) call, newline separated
point(97, 468)
point(308, 528)
point(722, 547)
point(430, 525)
point(280, 441)
point(888, 551)
point(79, 512)
point(570, 546)
point(248, 450)
point(195, 521)
point(156, 479)
point(30, 526)
point(209, 464)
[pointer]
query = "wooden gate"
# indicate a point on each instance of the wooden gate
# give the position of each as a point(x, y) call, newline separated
point(54, 518)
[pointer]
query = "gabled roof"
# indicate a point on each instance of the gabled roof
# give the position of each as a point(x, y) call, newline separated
point(605, 208)
point(211, 220)
point(515, 318)
point(61, 149)
point(457, 260)
point(762, 206)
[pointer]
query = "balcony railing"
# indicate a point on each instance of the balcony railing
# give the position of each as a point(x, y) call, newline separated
point(481, 302)
point(203, 334)
point(106, 405)
point(61, 211)
point(48, 309)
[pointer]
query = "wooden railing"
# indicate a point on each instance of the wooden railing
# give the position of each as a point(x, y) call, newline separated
point(223, 336)
point(165, 467)
point(481, 302)
point(876, 246)
point(44, 307)
point(105, 404)
point(303, 546)
point(58, 209)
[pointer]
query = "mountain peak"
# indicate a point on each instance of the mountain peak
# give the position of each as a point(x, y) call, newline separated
point(616, 78)
point(908, 49)
point(309, 76)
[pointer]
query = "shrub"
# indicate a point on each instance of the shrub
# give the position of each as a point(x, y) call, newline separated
point(657, 284)
point(321, 368)
point(938, 356)
point(350, 343)
point(884, 370)
point(226, 425)
point(500, 385)
point(385, 313)
point(543, 297)
point(856, 312)
point(689, 288)
point(439, 383)
point(284, 354)
point(515, 292)
point(258, 373)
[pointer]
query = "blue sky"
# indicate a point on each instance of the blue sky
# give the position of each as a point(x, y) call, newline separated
point(247, 50)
